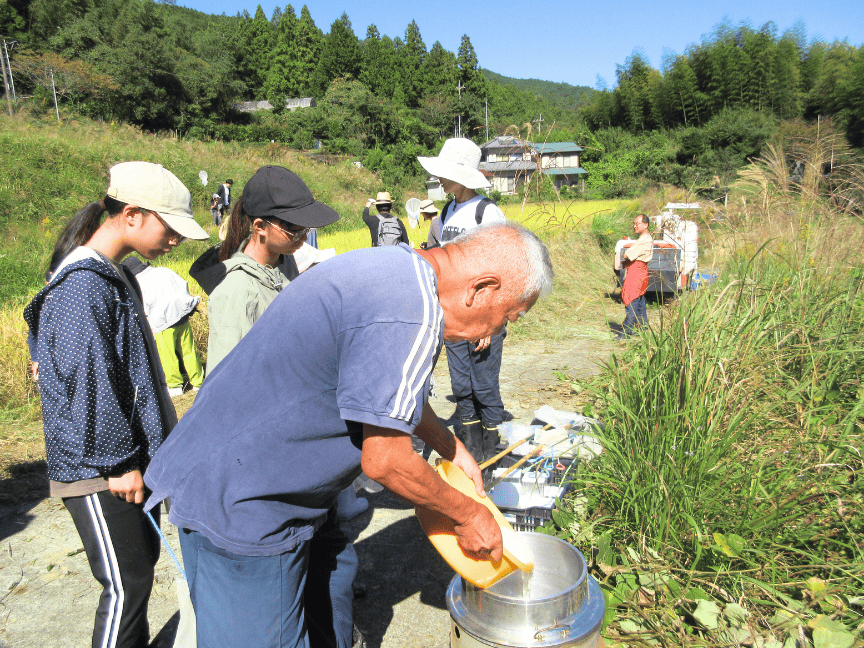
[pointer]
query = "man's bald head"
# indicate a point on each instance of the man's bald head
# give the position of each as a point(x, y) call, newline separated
point(514, 252)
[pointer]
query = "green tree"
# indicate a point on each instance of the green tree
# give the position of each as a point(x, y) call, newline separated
point(256, 36)
point(785, 83)
point(683, 93)
point(13, 23)
point(634, 80)
point(828, 96)
point(758, 47)
point(340, 56)
point(278, 83)
point(811, 67)
point(853, 100)
point(304, 54)
point(379, 67)
point(440, 72)
point(469, 72)
point(411, 58)
point(133, 50)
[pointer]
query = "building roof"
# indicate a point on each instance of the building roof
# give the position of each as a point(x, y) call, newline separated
point(507, 142)
point(566, 171)
point(549, 148)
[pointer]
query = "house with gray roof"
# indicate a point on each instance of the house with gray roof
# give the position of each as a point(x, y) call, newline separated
point(509, 162)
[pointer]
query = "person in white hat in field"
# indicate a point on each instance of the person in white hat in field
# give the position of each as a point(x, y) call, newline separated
point(430, 215)
point(384, 227)
point(474, 365)
point(105, 404)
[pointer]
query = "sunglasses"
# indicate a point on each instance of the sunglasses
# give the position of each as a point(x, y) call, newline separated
point(293, 235)
point(173, 236)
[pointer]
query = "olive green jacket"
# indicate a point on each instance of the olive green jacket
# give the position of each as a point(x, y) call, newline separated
point(239, 300)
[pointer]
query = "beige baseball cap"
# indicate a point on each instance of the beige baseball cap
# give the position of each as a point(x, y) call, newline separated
point(154, 187)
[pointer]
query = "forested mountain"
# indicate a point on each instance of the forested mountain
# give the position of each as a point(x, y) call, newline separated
point(561, 95)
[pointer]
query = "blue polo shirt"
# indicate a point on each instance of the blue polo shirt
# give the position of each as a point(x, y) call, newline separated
point(276, 430)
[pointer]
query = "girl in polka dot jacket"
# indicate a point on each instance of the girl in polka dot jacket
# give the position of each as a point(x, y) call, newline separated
point(105, 405)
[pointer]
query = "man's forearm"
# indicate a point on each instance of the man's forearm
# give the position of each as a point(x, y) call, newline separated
point(433, 431)
point(389, 459)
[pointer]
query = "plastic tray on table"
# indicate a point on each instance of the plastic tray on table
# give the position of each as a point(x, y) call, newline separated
point(527, 498)
point(531, 517)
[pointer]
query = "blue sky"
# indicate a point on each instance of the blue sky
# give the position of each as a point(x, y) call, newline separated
point(562, 40)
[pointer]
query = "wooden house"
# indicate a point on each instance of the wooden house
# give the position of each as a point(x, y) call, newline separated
point(510, 161)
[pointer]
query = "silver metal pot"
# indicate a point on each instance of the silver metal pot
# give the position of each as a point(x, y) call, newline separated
point(560, 604)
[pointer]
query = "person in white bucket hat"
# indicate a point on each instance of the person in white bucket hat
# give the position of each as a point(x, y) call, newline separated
point(474, 365)
point(458, 162)
point(105, 402)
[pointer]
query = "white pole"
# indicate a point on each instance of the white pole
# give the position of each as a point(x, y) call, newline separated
point(9, 67)
point(6, 85)
point(54, 90)
point(487, 119)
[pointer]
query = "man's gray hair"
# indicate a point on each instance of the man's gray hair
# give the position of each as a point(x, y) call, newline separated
point(516, 248)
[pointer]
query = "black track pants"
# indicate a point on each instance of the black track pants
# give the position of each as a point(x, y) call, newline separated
point(122, 548)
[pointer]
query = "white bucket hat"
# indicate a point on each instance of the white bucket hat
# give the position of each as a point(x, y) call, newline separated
point(154, 187)
point(458, 161)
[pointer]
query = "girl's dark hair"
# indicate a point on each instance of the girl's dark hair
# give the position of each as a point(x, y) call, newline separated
point(239, 229)
point(81, 229)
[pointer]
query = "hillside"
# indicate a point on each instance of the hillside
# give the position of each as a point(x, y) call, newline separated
point(561, 95)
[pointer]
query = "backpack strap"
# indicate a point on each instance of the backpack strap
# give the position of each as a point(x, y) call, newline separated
point(444, 211)
point(482, 208)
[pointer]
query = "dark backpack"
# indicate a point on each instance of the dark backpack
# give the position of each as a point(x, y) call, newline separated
point(389, 232)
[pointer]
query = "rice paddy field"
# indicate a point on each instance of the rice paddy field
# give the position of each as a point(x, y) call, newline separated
point(544, 218)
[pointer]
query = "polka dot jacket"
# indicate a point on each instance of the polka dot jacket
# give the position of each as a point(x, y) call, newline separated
point(100, 407)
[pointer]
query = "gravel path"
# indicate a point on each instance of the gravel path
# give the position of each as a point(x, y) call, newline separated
point(48, 596)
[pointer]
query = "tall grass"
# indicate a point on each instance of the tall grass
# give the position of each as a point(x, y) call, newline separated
point(732, 441)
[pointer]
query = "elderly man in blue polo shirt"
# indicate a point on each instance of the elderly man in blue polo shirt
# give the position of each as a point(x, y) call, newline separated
point(333, 377)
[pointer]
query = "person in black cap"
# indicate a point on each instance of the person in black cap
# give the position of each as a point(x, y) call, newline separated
point(270, 222)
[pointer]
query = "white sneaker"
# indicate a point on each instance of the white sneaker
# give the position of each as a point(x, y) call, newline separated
point(175, 391)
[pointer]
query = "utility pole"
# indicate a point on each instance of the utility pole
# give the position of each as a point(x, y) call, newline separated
point(459, 88)
point(6, 82)
point(487, 119)
point(9, 67)
point(539, 123)
point(54, 90)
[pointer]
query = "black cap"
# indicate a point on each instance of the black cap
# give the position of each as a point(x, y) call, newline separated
point(276, 192)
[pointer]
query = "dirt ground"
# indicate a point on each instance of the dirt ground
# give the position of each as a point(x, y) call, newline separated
point(48, 596)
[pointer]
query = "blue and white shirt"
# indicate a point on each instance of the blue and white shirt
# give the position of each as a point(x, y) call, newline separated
point(276, 431)
point(105, 407)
